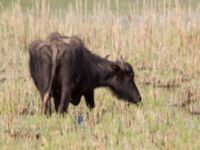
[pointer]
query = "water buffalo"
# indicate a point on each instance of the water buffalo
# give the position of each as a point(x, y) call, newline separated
point(63, 68)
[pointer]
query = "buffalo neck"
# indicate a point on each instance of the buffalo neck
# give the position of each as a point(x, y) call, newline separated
point(101, 68)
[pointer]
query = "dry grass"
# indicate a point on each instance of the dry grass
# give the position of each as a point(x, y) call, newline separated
point(162, 44)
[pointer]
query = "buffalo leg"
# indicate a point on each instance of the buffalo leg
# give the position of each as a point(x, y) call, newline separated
point(89, 98)
point(56, 98)
point(44, 96)
point(46, 107)
point(65, 99)
point(56, 103)
point(44, 85)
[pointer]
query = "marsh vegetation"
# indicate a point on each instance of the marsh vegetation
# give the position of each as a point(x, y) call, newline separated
point(163, 45)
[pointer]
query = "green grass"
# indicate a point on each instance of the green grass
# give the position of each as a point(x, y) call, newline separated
point(111, 125)
point(164, 53)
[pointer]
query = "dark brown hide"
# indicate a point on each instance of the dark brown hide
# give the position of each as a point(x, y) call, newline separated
point(63, 68)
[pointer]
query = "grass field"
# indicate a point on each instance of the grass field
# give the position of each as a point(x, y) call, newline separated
point(163, 45)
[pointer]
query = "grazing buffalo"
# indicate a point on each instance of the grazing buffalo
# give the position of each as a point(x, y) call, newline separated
point(63, 68)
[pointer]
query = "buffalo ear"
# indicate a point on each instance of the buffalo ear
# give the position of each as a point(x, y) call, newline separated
point(115, 67)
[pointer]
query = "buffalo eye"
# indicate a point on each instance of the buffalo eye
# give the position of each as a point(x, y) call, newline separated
point(130, 79)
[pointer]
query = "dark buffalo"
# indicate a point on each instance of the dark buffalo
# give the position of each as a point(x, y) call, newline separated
point(63, 68)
